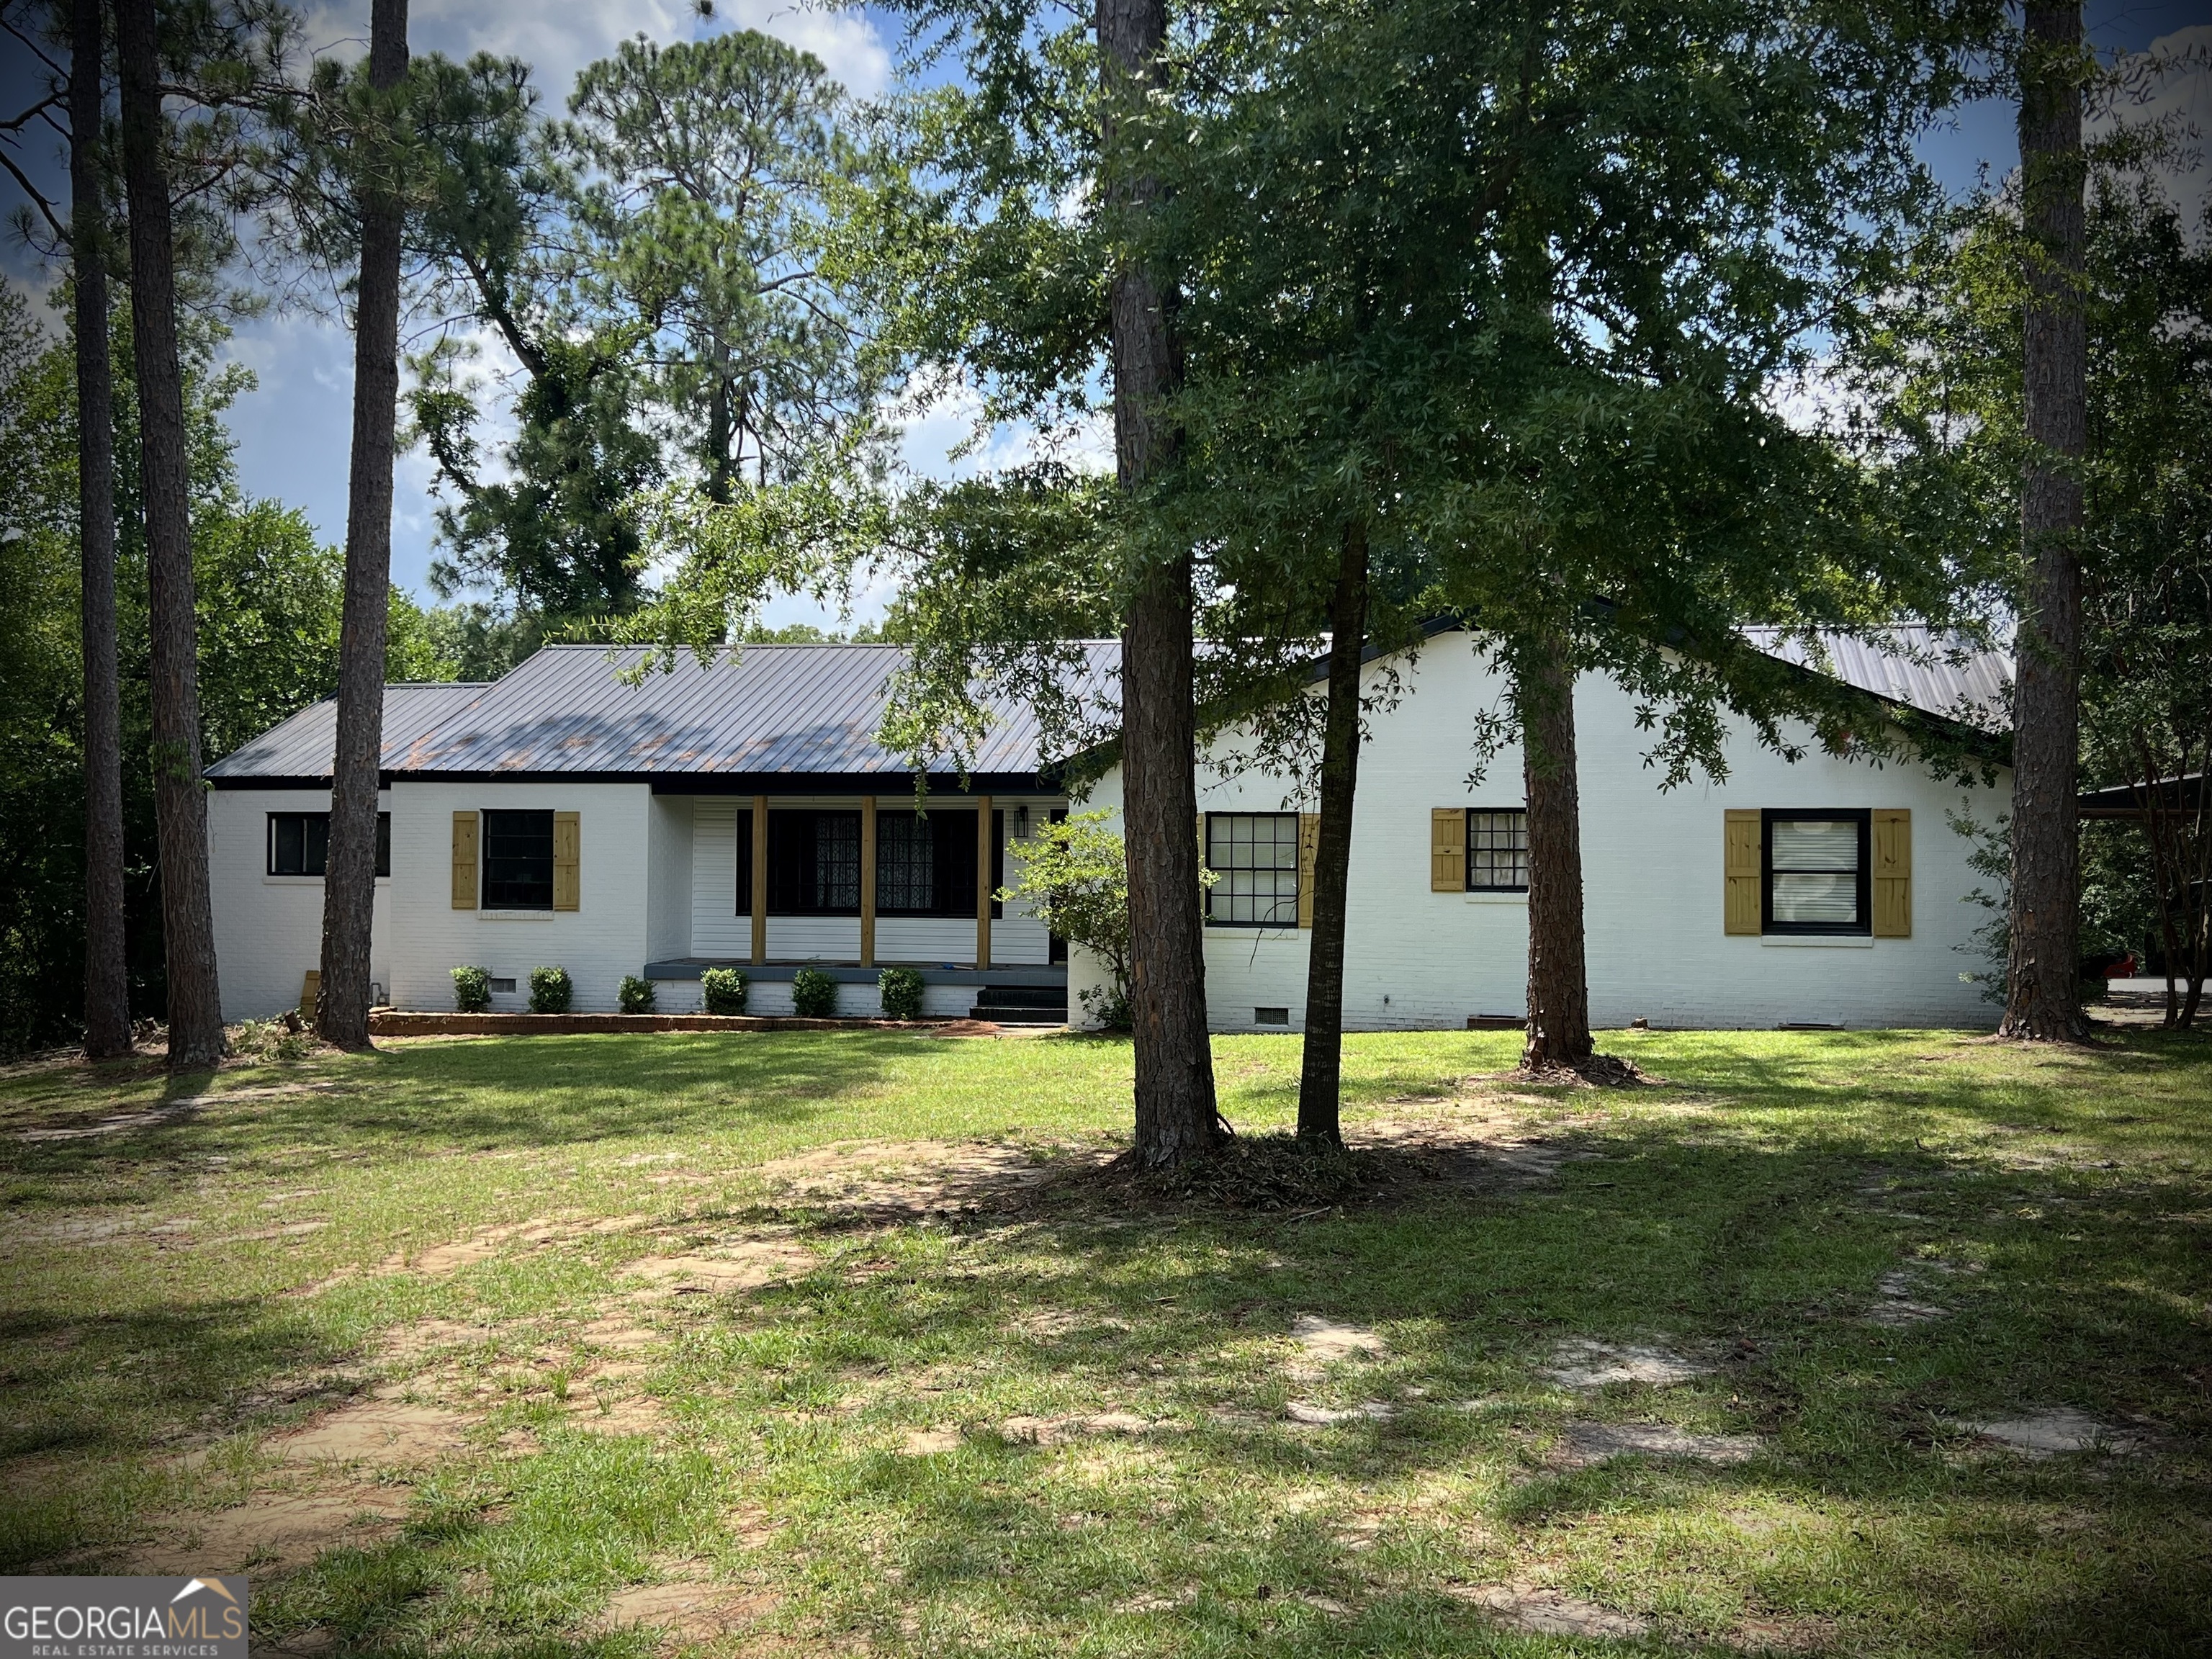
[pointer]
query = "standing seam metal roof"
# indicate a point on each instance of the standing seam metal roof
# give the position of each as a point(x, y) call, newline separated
point(800, 709)
point(569, 709)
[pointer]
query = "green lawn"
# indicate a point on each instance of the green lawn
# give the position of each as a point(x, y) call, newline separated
point(765, 1410)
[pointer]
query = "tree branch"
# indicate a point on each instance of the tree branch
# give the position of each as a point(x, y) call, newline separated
point(38, 200)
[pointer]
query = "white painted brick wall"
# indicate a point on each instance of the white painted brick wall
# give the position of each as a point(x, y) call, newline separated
point(1652, 874)
point(269, 929)
point(599, 942)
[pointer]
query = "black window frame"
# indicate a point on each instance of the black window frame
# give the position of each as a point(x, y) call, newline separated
point(794, 860)
point(953, 862)
point(1468, 838)
point(515, 889)
point(307, 841)
point(745, 862)
point(1862, 926)
point(1216, 891)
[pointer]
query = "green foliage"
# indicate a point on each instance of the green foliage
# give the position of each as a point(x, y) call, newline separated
point(269, 605)
point(666, 266)
point(635, 996)
point(813, 994)
point(550, 991)
point(472, 990)
point(723, 990)
point(1074, 877)
point(1941, 377)
point(901, 991)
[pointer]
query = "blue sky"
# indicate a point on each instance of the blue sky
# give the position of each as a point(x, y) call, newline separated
point(292, 432)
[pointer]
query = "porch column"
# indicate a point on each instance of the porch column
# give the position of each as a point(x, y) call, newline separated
point(867, 881)
point(760, 879)
point(983, 881)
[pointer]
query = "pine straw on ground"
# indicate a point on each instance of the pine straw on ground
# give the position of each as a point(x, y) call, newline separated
point(1262, 1172)
point(1598, 1072)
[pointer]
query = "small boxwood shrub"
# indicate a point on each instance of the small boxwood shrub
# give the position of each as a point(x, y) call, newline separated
point(472, 989)
point(636, 995)
point(813, 994)
point(901, 993)
point(724, 989)
point(550, 990)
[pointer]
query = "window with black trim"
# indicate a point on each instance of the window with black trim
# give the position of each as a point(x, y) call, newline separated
point(1255, 855)
point(300, 842)
point(518, 860)
point(1498, 850)
point(814, 863)
point(926, 863)
point(1815, 871)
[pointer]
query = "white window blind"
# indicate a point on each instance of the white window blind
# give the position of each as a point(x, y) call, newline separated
point(1815, 864)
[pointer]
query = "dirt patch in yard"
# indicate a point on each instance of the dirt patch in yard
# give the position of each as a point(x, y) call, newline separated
point(387, 1433)
point(272, 1532)
point(1584, 1364)
point(1587, 1444)
point(688, 1612)
point(738, 1267)
point(487, 1242)
point(1536, 1611)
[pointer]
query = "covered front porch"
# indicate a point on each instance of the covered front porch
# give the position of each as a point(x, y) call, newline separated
point(850, 883)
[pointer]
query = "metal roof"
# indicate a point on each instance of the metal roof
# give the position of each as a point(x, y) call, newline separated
point(1937, 673)
point(762, 711)
point(302, 745)
point(800, 710)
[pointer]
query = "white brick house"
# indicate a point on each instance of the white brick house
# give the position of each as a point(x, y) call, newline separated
point(745, 814)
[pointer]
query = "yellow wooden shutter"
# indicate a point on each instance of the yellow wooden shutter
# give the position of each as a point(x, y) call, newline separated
point(1743, 910)
point(465, 860)
point(1308, 852)
point(311, 992)
point(568, 850)
point(1447, 849)
point(1892, 872)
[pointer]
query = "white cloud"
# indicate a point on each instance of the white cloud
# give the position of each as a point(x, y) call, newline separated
point(558, 40)
point(2171, 84)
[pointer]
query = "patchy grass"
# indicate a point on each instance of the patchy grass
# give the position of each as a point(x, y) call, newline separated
point(776, 1343)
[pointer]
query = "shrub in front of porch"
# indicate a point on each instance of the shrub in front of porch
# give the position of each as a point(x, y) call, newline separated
point(724, 990)
point(901, 990)
point(550, 991)
point(635, 995)
point(813, 994)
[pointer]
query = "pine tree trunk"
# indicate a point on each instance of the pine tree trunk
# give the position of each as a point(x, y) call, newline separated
point(1559, 989)
point(1177, 1117)
point(349, 875)
point(106, 984)
point(2042, 998)
point(181, 808)
point(1320, 1073)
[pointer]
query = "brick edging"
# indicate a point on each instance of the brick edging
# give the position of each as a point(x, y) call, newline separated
point(400, 1022)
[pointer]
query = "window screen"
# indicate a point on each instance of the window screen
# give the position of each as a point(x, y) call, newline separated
point(814, 864)
point(1256, 856)
point(926, 862)
point(1497, 851)
point(1816, 873)
point(518, 860)
point(299, 843)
